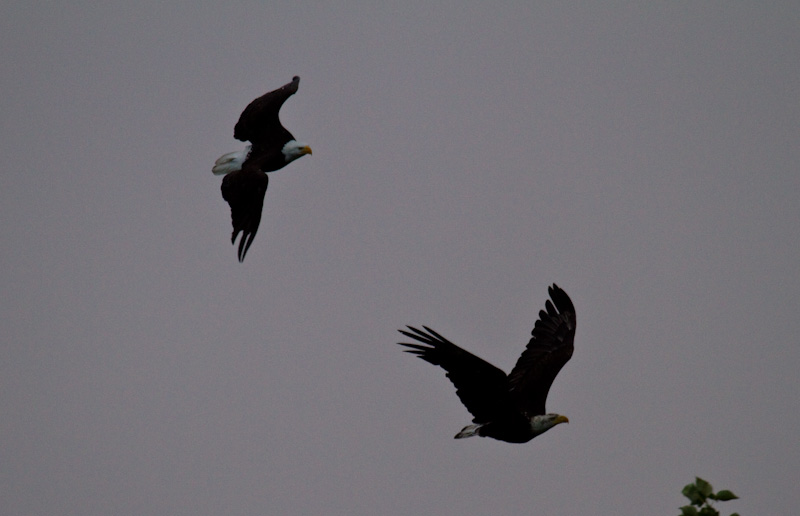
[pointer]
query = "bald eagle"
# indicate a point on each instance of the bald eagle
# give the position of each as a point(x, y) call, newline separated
point(271, 148)
point(508, 408)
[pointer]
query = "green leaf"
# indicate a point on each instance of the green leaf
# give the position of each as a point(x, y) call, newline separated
point(707, 510)
point(703, 486)
point(694, 495)
point(735, 514)
point(688, 510)
point(725, 495)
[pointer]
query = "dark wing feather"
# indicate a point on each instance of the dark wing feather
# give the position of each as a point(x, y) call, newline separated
point(550, 347)
point(259, 122)
point(244, 190)
point(480, 385)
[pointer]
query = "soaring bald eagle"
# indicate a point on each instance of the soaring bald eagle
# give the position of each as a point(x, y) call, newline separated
point(271, 148)
point(509, 408)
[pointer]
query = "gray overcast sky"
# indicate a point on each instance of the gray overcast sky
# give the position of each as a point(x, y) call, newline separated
point(645, 158)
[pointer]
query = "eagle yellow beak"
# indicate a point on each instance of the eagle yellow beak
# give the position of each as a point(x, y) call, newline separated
point(562, 419)
point(307, 150)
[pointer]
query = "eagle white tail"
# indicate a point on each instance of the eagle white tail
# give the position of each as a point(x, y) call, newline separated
point(230, 162)
point(468, 431)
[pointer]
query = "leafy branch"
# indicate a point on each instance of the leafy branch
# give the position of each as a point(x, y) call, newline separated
point(701, 495)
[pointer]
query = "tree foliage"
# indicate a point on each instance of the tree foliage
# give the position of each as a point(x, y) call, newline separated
point(701, 497)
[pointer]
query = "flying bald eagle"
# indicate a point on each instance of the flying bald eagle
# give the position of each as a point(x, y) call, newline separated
point(509, 408)
point(271, 148)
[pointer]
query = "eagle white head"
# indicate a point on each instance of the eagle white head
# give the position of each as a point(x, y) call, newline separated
point(541, 424)
point(294, 149)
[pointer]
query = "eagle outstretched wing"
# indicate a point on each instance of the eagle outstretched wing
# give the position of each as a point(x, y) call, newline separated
point(550, 347)
point(244, 190)
point(260, 124)
point(481, 386)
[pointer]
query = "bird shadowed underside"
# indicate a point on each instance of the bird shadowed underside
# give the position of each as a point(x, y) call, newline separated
point(506, 407)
